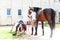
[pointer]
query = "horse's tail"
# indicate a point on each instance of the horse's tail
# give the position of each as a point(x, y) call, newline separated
point(53, 17)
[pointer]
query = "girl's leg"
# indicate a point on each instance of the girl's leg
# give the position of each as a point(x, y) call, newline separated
point(33, 25)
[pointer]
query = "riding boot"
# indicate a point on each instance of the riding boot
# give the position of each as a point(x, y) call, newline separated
point(16, 30)
point(32, 31)
point(14, 33)
point(35, 30)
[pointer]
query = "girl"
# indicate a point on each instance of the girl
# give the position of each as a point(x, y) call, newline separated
point(33, 18)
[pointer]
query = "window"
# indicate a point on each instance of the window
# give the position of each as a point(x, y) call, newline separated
point(8, 11)
point(19, 11)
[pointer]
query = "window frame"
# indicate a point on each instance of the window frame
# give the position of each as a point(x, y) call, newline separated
point(19, 12)
point(8, 11)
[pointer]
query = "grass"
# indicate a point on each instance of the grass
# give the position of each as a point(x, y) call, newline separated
point(4, 34)
point(7, 34)
point(56, 25)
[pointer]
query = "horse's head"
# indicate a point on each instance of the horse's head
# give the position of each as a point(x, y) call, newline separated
point(30, 10)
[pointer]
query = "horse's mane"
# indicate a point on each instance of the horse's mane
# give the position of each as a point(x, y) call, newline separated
point(36, 9)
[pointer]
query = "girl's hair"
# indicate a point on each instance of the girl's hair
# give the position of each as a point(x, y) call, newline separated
point(31, 8)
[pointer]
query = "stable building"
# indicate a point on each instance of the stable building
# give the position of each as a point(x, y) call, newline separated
point(11, 11)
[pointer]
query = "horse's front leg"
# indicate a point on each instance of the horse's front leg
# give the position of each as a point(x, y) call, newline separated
point(36, 26)
point(32, 31)
point(42, 28)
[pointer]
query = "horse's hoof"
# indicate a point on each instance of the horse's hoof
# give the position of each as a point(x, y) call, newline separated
point(42, 34)
point(51, 36)
point(32, 34)
point(35, 33)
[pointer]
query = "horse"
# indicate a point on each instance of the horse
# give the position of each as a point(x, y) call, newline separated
point(42, 15)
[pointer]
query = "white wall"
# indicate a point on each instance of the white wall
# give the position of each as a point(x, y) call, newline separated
point(4, 4)
point(14, 5)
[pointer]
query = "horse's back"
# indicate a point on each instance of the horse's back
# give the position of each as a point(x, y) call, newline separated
point(40, 16)
point(36, 9)
point(46, 14)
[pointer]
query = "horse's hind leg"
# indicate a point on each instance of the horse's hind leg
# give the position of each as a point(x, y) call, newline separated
point(51, 26)
point(42, 28)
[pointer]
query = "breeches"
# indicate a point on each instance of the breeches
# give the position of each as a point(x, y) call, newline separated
point(33, 23)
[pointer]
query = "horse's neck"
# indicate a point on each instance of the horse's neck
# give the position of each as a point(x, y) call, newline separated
point(40, 11)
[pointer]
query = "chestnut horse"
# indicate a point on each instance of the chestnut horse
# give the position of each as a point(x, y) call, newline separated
point(47, 14)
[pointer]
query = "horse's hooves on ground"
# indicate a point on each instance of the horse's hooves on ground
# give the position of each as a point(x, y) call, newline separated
point(51, 36)
point(42, 34)
point(35, 33)
point(32, 34)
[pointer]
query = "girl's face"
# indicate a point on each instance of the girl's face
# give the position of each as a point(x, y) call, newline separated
point(31, 11)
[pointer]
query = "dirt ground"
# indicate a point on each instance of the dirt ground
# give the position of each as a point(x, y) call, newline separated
point(56, 34)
